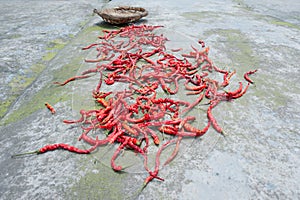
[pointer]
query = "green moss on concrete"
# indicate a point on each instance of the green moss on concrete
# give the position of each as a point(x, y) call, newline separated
point(283, 23)
point(18, 84)
point(49, 56)
point(4, 105)
point(51, 93)
point(53, 48)
point(56, 44)
point(103, 183)
point(243, 57)
point(237, 47)
point(21, 82)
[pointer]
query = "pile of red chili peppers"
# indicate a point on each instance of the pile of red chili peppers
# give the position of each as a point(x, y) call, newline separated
point(136, 117)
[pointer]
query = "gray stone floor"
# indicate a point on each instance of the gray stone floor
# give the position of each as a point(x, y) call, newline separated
point(259, 159)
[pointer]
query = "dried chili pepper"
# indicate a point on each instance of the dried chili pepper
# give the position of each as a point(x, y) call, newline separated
point(246, 76)
point(50, 108)
point(71, 79)
point(63, 146)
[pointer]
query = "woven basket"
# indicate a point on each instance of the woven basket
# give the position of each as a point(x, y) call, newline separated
point(122, 14)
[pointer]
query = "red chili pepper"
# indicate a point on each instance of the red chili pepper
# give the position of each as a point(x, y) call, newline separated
point(116, 153)
point(230, 94)
point(241, 93)
point(50, 108)
point(71, 79)
point(175, 151)
point(213, 120)
point(227, 77)
point(131, 117)
point(176, 50)
point(89, 46)
point(102, 102)
point(53, 147)
point(95, 60)
point(192, 105)
point(246, 76)
point(170, 130)
point(198, 132)
point(219, 70)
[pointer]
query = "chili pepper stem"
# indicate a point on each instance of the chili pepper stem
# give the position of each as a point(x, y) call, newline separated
point(26, 153)
point(224, 133)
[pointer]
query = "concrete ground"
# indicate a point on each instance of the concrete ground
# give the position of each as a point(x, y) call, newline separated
point(259, 159)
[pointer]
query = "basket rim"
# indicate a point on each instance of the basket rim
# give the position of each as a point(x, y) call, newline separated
point(112, 15)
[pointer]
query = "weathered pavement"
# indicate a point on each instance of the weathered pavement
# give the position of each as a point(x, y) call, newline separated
point(41, 42)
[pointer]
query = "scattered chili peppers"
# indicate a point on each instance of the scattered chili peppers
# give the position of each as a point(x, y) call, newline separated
point(131, 117)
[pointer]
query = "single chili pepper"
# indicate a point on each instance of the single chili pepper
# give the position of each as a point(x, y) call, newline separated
point(89, 46)
point(94, 70)
point(50, 108)
point(175, 151)
point(219, 70)
point(170, 130)
point(213, 120)
point(97, 89)
point(198, 132)
point(63, 146)
point(176, 50)
point(246, 76)
point(88, 139)
point(188, 55)
point(116, 153)
point(192, 105)
point(71, 79)
point(95, 60)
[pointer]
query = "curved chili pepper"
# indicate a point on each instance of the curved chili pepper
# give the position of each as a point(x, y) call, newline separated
point(89, 46)
point(246, 76)
point(235, 96)
point(175, 151)
point(116, 153)
point(213, 120)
